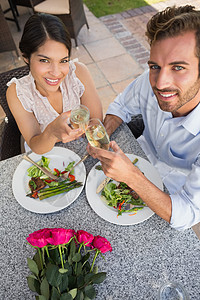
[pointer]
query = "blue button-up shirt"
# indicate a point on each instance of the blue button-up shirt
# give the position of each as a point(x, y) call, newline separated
point(171, 144)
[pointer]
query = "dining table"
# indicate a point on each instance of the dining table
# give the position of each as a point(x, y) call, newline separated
point(143, 256)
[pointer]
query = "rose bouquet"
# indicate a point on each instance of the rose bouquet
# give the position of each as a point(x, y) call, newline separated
point(61, 268)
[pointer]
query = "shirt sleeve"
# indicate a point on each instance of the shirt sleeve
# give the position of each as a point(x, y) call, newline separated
point(186, 202)
point(24, 91)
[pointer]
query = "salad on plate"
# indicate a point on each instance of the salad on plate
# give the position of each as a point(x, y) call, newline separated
point(42, 187)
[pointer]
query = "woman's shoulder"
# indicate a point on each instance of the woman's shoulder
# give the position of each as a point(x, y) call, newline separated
point(80, 68)
point(22, 89)
point(23, 81)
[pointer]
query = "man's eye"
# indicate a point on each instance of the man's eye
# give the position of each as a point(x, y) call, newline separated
point(178, 68)
point(154, 67)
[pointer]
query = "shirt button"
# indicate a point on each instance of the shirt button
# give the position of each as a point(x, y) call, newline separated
point(161, 134)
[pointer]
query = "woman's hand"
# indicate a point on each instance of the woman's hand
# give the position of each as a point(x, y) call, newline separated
point(61, 129)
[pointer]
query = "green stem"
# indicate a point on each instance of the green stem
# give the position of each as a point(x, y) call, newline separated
point(97, 252)
point(47, 251)
point(78, 252)
point(41, 260)
point(61, 258)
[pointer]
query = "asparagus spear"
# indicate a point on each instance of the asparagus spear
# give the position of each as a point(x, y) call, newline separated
point(52, 191)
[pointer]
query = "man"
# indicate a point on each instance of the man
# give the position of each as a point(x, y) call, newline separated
point(168, 97)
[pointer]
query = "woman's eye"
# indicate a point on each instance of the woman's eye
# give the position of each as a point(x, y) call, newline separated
point(64, 61)
point(44, 60)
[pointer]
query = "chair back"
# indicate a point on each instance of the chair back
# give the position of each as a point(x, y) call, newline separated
point(6, 40)
point(10, 136)
point(27, 3)
point(72, 14)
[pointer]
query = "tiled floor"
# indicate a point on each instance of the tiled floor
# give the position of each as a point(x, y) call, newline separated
point(115, 48)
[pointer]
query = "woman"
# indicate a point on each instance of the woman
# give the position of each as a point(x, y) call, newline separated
point(41, 101)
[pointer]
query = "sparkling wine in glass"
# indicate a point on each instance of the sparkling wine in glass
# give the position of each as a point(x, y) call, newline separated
point(97, 135)
point(79, 117)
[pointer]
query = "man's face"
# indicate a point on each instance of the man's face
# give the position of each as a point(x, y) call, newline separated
point(174, 73)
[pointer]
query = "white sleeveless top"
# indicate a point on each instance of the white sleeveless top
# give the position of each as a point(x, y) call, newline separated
point(32, 101)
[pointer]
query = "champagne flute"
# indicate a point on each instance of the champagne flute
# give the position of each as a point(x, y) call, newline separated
point(97, 135)
point(79, 117)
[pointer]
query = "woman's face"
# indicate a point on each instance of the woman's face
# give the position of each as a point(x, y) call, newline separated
point(49, 66)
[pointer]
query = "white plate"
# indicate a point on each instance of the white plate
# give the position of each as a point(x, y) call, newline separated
point(108, 213)
point(59, 158)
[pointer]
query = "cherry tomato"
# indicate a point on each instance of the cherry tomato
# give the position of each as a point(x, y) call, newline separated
point(71, 177)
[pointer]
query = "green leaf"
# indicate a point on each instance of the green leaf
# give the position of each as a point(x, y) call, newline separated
point(73, 293)
point(55, 294)
point(62, 271)
point(98, 278)
point(90, 291)
point(86, 298)
point(79, 269)
point(55, 256)
point(33, 266)
point(72, 282)
point(88, 277)
point(66, 296)
point(72, 249)
point(33, 276)
point(85, 257)
point(36, 258)
point(44, 288)
point(53, 275)
point(64, 283)
point(76, 257)
point(41, 297)
point(33, 285)
point(80, 281)
point(80, 295)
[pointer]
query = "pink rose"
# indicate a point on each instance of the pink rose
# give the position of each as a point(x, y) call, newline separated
point(102, 244)
point(39, 238)
point(84, 237)
point(60, 236)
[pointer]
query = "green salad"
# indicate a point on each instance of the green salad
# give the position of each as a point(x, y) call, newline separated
point(43, 187)
point(122, 197)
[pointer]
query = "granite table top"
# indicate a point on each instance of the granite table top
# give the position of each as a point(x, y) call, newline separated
point(143, 257)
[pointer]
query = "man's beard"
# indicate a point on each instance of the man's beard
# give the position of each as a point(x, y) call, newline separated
point(173, 106)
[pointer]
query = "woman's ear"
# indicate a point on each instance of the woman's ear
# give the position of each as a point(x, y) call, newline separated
point(26, 60)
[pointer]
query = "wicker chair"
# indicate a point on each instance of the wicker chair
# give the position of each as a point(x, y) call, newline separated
point(6, 40)
point(10, 136)
point(71, 12)
point(26, 3)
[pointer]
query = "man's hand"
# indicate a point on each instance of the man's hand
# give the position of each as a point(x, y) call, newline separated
point(117, 166)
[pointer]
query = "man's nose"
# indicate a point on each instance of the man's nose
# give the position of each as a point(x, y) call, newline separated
point(163, 79)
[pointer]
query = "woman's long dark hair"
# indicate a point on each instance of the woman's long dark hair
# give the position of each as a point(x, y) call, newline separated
point(38, 29)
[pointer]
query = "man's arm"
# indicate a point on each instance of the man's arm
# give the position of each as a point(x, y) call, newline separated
point(111, 123)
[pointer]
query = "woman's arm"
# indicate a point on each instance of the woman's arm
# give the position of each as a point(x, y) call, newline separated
point(90, 96)
point(39, 142)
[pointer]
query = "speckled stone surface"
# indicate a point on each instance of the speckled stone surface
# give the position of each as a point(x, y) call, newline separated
point(143, 256)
